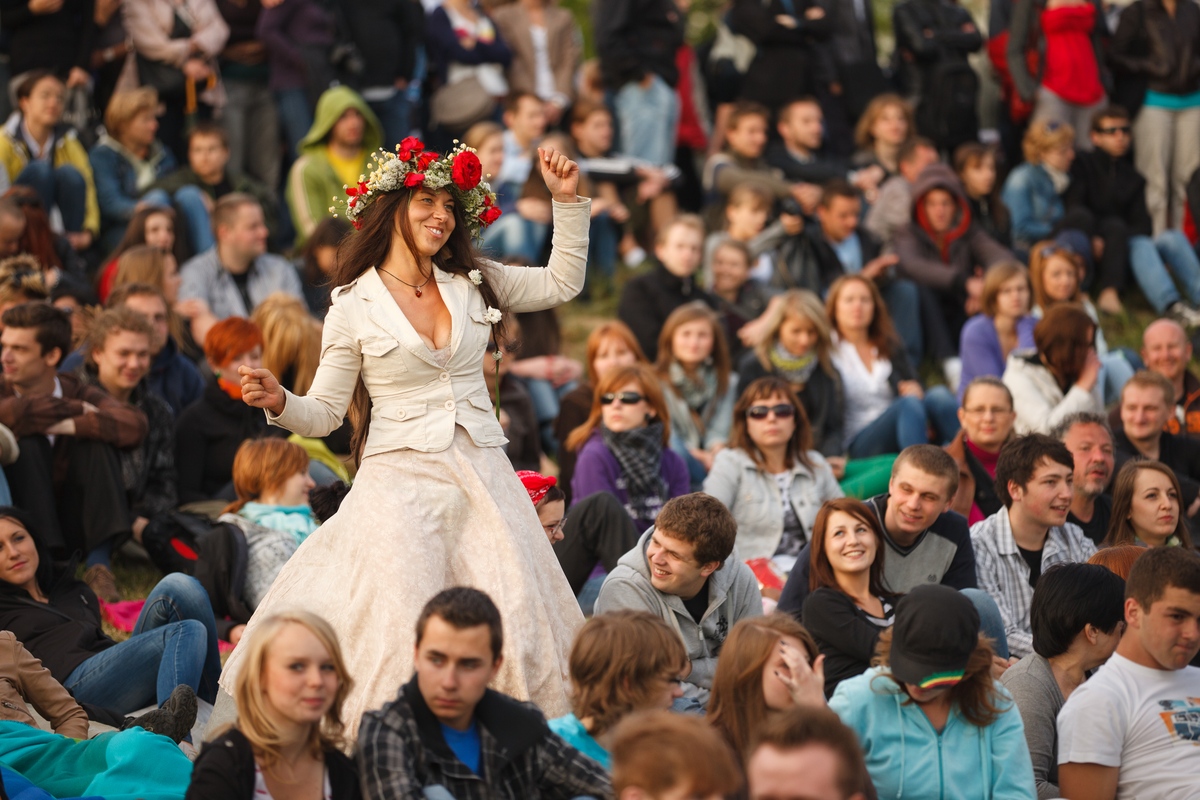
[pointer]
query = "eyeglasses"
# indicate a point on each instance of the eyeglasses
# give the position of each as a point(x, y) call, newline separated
point(626, 398)
point(781, 411)
point(1125, 129)
point(993, 411)
point(554, 530)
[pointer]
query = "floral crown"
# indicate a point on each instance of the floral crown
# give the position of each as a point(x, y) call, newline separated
point(414, 167)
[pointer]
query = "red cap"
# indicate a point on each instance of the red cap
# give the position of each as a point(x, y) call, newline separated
point(536, 484)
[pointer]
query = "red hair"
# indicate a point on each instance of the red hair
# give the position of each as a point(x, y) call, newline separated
point(230, 338)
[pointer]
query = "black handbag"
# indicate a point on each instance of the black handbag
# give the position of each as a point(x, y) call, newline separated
point(167, 79)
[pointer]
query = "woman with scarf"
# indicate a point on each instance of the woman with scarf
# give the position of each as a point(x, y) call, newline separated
point(699, 385)
point(623, 446)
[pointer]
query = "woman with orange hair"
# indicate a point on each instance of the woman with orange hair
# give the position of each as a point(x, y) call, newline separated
point(209, 432)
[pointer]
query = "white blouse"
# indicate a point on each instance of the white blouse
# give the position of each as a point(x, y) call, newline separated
point(867, 391)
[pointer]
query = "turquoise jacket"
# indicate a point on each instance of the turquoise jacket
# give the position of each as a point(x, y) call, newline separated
point(571, 731)
point(907, 758)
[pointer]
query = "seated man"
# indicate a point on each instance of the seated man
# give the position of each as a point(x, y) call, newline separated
point(797, 153)
point(68, 476)
point(1030, 534)
point(1167, 350)
point(237, 273)
point(206, 180)
point(892, 209)
point(742, 161)
point(1145, 409)
point(804, 753)
point(684, 570)
point(448, 736)
point(521, 230)
point(658, 755)
point(1087, 435)
point(1130, 730)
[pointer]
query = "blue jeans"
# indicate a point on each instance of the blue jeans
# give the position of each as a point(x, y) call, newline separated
point(513, 236)
point(58, 186)
point(901, 297)
point(5, 493)
point(1115, 372)
point(546, 399)
point(394, 115)
point(991, 624)
point(1154, 261)
point(906, 422)
point(295, 117)
point(173, 642)
point(646, 121)
point(189, 202)
point(604, 235)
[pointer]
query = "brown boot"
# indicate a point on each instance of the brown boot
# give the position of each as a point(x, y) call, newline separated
point(100, 580)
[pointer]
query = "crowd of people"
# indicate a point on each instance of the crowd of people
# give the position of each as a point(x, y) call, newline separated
point(849, 495)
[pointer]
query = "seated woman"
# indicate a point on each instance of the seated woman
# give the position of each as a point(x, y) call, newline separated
point(609, 346)
point(930, 715)
point(271, 479)
point(796, 347)
point(152, 225)
point(769, 477)
point(1117, 559)
point(740, 299)
point(987, 422)
point(209, 432)
point(767, 665)
point(1004, 325)
point(1033, 190)
point(622, 447)
point(279, 747)
point(698, 384)
point(848, 606)
point(1147, 508)
point(1077, 616)
point(621, 662)
point(886, 407)
point(1056, 274)
point(58, 619)
point(1061, 377)
point(975, 165)
point(885, 125)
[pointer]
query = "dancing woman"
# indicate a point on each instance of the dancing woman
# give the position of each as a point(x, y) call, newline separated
point(435, 502)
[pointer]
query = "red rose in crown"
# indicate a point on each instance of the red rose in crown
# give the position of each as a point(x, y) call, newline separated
point(466, 171)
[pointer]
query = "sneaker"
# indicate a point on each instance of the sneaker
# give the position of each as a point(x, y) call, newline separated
point(10, 451)
point(100, 580)
point(1186, 315)
point(952, 370)
point(173, 719)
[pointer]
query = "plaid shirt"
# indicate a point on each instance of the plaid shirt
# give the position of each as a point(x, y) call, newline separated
point(1004, 575)
point(401, 751)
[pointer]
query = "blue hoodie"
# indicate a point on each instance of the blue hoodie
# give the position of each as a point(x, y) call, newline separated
point(907, 758)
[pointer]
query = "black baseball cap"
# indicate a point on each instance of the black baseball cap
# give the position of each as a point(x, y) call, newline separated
point(936, 630)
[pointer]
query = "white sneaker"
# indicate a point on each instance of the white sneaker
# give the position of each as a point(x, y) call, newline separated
point(635, 258)
point(1186, 315)
point(952, 370)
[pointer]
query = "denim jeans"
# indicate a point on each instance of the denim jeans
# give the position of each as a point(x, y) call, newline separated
point(295, 117)
point(189, 202)
point(395, 116)
point(604, 235)
point(546, 400)
point(1154, 261)
point(906, 422)
point(991, 624)
point(513, 236)
point(5, 494)
point(646, 121)
point(173, 642)
point(58, 186)
point(901, 296)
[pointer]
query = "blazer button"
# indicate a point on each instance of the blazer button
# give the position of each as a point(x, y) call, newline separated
point(400, 414)
point(449, 405)
point(445, 376)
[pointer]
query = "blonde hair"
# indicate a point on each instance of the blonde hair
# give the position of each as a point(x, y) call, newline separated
point(797, 303)
point(126, 105)
point(691, 221)
point(1044, 136)
point(862, 132)
point(141, 264)
point(262, 465)
point(291, 339)
point(254, 716)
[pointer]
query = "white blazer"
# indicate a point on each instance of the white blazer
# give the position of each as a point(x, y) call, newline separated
point(415, 402)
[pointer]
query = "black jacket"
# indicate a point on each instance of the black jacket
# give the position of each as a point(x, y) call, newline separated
point(647, 301)
point(635, 38)
point(845, 635)
point(1109, 187)
point(821, 397)
point(207, 436)
point(917, 53)
point(784, 64)
point(224, 770)
point(388, 34)
point(57, 41)
point(819, 169)
point(1164, 50)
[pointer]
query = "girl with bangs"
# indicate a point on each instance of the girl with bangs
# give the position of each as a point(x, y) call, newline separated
point(769, 477)
point(622, 447)
point(289, 735)
point(621, 662)
point(699, 385)
point(1003, 326)
point(848, 606)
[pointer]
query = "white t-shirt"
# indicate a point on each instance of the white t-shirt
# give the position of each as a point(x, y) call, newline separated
point(1144, 721)
point(867, 392)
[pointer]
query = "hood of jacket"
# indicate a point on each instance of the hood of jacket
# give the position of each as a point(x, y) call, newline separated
point(155, 157)
point(12, 129)
point(333, 103)
point(940, 176)
point(719, 583)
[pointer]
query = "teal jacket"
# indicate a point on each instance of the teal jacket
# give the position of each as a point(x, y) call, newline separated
point(908, 759)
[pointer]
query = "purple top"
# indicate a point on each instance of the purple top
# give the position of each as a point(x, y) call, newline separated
point(979, 348)
point(597, 470)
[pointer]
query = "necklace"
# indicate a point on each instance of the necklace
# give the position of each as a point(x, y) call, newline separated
point(416, 289)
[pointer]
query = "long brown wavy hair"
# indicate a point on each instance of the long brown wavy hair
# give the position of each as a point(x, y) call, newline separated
point(820, 571)
point(693, 312)
point(1120, 528)
point(881, 333)
point(369, 246)
point(649, 386)
point(975, 696)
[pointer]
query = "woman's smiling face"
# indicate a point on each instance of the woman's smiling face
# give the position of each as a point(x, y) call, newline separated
point(431, 220)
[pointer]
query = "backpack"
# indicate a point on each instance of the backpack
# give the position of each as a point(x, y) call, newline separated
point(224, 559)
point(173, 540)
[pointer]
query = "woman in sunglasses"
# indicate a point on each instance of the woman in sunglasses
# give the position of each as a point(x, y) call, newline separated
point(623, 446)
point(769, 477)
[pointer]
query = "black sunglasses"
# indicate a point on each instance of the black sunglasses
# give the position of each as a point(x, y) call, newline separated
point(628, 398)
point(1115, 129)
point(781, 411)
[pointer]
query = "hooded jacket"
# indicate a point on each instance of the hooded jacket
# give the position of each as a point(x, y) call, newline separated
point(944, 262)
point(733, 595)
point(66, 151)
point(907, 758)
point(312, 182)
point(122, 178)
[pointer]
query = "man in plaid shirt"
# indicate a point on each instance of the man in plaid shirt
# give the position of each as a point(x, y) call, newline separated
point(448, 737)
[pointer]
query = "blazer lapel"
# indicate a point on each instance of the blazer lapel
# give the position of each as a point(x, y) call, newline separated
point(384, 312)
point(456, 295)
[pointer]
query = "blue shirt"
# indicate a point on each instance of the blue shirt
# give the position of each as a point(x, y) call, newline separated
point(465, 744)
point(849, 252)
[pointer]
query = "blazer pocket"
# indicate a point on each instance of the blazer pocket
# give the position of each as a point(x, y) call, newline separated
point(482, 401)
point(404, 411)
point(382, 356)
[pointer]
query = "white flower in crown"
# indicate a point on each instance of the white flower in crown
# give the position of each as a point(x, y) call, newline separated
point(492, 315)
point(476, 276)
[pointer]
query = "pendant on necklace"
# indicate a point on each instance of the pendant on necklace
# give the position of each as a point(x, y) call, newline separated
point(418, 291)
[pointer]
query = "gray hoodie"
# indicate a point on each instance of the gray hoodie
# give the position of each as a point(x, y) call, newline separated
point(733, 595)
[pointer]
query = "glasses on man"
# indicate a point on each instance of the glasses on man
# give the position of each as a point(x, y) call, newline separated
point(781, 411)
point(556, 528)
point(625, 398)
